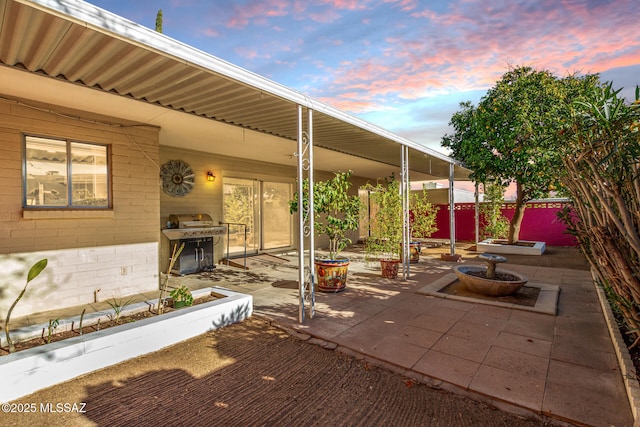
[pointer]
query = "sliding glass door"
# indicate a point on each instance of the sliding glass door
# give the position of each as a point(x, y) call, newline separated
point(277, 222)
point(258, 215)
point(240, 212)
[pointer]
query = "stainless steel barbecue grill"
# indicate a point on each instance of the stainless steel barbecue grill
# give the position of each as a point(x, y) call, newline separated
point(197, 232)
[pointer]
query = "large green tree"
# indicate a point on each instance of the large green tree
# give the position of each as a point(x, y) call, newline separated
point(159, 21)
point(511, 136)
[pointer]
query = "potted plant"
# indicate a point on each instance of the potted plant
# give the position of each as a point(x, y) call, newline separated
point(385, 237)
point(335, 212)
point(182, 297)
point(422, 221)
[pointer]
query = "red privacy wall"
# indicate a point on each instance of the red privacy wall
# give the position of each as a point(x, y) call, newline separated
point(540, 223)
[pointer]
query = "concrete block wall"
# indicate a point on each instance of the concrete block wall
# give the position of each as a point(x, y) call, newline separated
point(84, 239)
point(75, 277)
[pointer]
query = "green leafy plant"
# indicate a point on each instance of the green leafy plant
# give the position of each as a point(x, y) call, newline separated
point(385, 226)
point(182, 296)
point(496, 225)
point(238, 206)
point(600, 147)
point(159, 21)
point(53, 324)
point(118, 306)
point(81, 318)
point(336, 211)
point(34, 271)
point(163, 290)
point(423, 215)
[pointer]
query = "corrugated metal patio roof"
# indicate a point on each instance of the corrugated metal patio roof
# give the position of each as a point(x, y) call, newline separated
point(76, 42)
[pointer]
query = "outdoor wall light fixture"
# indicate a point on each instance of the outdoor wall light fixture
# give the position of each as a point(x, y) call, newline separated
point(210, 177)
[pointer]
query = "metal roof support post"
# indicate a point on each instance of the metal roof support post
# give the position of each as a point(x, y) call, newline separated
point(305, 217)
point(452, 215)
point(477, 213)
point(310, 290)
point(405, 191)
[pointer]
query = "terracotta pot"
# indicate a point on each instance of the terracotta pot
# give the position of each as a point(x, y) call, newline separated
point(451, 258)
point(414, 252)
point(389, 268)
point(331, 274)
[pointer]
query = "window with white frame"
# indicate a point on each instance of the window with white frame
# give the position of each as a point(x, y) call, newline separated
point(65, 174)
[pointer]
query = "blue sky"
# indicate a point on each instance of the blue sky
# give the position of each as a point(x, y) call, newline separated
point(404, 65)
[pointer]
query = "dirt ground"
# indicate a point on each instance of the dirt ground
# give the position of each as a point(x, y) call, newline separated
point(254, 374)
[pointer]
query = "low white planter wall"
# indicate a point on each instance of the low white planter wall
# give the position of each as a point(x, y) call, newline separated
point(30, 370)
point(488, 245)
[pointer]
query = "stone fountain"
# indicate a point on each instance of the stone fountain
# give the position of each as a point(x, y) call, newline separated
point(488, 281)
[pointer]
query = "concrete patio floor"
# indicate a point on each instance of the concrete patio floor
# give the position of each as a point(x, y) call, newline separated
point(563, 367)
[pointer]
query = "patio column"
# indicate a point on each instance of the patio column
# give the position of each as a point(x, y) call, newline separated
point(477, 213)
point(306, 269)
point(452, 216)
point(405, 191)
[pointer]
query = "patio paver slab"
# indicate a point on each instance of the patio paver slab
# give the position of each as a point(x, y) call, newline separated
point(463, 348)
point(585, 395)
point(424, 338)
point(477, 331)
point(536, 347)
point(512, 387)
point(579, 355)
point(397, 349)
point(447, 368)
point(434, 322)
point(517, 362)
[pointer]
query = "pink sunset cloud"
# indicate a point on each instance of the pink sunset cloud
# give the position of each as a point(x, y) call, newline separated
point(346, 4)
point(475, 44)
point(257, 12)
point(322, 17)
point(349, 104)
point(247, 53)
point(404, 5)
point(210, 32)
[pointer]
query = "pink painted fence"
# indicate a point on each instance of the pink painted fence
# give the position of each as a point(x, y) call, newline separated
point(540, 223)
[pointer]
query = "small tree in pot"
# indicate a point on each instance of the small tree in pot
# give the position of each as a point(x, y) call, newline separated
point(335, 213)
point(422, 222)
point(385, 237)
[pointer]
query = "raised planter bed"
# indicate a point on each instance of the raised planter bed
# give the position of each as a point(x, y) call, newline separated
point(523, 247)
point(627, 368)
point(30, 370)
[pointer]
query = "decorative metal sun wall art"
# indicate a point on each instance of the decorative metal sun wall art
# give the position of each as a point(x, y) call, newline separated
point(177, 178)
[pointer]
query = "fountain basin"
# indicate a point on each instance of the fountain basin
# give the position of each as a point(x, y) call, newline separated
point(492, 287)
